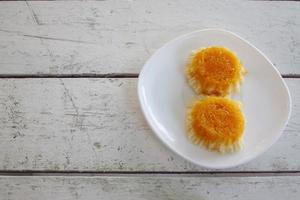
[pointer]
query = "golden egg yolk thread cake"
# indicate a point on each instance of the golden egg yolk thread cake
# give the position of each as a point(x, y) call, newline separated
point(214, 71)
point(216, 123)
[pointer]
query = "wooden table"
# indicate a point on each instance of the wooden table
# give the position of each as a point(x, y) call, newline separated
point(71, 126)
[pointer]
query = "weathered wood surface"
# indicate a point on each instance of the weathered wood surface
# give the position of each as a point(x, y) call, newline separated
point(150, 188)
point(67, 37)
point(97, 125)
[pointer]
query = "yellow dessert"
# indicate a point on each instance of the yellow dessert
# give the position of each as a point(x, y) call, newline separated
point(214, 71)
point(216, 123)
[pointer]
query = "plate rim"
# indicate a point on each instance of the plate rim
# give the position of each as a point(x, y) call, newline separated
point(154, 127)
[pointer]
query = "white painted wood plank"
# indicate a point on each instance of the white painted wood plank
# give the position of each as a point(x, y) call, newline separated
point(63, 37)
point(149, 188)
point(97, 125)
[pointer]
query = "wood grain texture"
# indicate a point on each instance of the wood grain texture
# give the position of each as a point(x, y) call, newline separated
point(150, 188)
point(97, 125)
point(63, 37)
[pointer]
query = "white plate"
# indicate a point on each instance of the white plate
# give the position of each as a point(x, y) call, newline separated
point(164, 95)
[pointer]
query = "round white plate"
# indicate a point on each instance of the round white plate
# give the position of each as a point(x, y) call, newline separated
point(164, 95)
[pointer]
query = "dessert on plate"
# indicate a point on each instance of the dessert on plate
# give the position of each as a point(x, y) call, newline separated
point(216, 123)
point(214, 71)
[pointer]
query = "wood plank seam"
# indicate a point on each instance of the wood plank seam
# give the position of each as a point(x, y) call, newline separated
point(91, 75)
point(152, 173)
point(85, 75)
